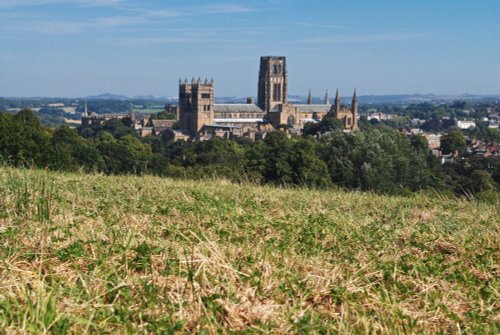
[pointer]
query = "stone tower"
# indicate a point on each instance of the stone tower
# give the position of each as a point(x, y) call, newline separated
point(273, 83)
point(196, 105)
point(348, 116)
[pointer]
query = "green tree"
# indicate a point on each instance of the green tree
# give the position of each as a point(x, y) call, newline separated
point(27, 141)
point(73, 152)
point(454, 141)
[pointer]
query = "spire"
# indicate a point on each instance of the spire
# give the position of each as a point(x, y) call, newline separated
point(337, 102)
point(309, 99)
point(355, 110)
point(327, 98)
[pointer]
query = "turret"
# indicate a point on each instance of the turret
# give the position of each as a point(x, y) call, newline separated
point(85, 109)
point(327, 98)
point(355, 110)
point(355, 102)
point(309, 99)
point(337, 102)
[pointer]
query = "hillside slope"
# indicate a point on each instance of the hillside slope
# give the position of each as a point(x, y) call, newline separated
point(97, 254)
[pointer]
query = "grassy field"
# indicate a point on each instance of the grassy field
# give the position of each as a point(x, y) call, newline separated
point(95, 254)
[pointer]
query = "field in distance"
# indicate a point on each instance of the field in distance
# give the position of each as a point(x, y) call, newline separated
point(98, 254)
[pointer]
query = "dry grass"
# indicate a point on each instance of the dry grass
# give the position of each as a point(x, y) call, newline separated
point(95, 254)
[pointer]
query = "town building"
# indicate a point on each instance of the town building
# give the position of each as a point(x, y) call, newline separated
point(466, 124)
point(201, 117)
point(138, 123)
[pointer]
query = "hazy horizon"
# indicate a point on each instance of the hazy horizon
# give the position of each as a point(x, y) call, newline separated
point(78, 48)
point(301, 96)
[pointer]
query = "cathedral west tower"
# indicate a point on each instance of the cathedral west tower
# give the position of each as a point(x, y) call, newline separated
point(273, 83)
point(196, 105)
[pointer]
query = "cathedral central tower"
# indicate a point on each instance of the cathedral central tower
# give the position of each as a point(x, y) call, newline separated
point(273, 83)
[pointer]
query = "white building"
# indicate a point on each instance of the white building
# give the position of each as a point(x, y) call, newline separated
point(466, 124)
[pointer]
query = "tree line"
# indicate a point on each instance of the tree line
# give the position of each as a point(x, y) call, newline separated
point(371, 159)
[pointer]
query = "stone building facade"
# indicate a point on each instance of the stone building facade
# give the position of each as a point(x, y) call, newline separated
point(198, 113)
point(273, 83)
point(280, 112)
point(196, 105)
point(348, 115)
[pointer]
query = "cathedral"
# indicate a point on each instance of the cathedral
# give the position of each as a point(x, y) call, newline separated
point(200, 116)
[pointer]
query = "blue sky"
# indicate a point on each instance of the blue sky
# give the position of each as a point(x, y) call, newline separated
point(131, 47)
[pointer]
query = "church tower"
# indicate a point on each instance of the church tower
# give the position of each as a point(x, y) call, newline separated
point(196, 105)
point(273, 83)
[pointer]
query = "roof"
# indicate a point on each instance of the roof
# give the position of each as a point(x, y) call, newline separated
point(220, 126)
point(238, 120)
point(163, 123)
point(314, 108)
point(237, 108)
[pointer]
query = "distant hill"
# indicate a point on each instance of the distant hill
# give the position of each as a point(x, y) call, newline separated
point(108, 96)
point(402, 99)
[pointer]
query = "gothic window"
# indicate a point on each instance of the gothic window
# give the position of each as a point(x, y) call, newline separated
point(205, 96)
point(277, 92)
point(275, 69)
point(279, 68)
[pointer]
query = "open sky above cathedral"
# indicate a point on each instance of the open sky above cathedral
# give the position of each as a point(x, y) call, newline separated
point(132, 47)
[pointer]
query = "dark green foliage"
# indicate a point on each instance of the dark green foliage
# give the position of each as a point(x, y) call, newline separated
point(72, 152)
point(375, 158)
point(163, 116)
point(432, 125)
point(285, 161)
point(328, 123)
point(125, 155)
point(452, 142)
point(23, 141)
point(117, 128)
